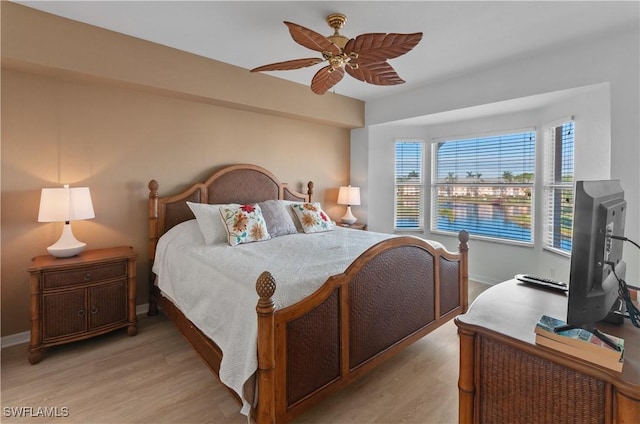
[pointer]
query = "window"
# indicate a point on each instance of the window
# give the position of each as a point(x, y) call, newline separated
point(485, 186)
point(558, 186)
point(409, 198)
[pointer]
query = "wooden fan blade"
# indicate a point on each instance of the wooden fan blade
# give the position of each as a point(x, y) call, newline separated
point(289, 64)
point(378, 47)
point(380, 73)
point(311, 39)
point(326, 78)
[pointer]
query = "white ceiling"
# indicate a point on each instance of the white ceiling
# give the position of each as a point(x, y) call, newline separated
point(459, 37)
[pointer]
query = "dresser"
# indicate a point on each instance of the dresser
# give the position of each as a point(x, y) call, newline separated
point(505, 377)
point(80, 297)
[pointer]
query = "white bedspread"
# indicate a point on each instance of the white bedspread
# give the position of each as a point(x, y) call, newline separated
point(214, 285)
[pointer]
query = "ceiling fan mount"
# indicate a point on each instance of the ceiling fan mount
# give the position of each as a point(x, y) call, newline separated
point(364, 57)
point(337, 21)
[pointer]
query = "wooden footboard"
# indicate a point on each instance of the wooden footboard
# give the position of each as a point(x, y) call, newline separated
point(392, 295)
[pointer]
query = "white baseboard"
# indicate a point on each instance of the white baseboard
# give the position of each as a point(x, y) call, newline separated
point(15, 339)
point(25, 336)
point(484, 279)
point(142, 309)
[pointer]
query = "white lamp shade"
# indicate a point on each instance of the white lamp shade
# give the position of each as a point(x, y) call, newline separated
point(349, 196)
point(65, 204)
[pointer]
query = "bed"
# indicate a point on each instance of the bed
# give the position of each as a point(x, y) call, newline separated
point(383, 298)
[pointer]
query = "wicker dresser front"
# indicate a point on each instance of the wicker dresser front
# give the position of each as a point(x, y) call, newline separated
point(517, 387)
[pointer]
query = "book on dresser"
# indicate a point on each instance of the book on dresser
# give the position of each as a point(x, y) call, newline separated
point(580, 343)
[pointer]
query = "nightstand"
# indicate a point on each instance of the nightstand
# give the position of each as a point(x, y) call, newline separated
point(80, 297)
point(356, 226)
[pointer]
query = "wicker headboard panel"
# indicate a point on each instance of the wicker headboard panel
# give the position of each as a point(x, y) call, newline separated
point(233, 184)
point(243, 186)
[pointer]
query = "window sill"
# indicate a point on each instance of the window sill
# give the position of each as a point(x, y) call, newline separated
point(487, 239)
point(558, 252)
point(409, 230)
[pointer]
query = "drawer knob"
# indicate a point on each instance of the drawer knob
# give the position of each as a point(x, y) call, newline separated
point(81, 312)
point(87, 276)
point(94, 310)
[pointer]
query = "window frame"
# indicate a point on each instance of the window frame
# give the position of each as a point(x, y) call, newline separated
point(551, 185)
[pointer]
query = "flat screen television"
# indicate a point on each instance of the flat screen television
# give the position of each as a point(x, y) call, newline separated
point(599, 213)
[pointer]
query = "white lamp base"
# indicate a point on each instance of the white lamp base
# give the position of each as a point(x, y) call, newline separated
point(67, 245)
point(348, 217)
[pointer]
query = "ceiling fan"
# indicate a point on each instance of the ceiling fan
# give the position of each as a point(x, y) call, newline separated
point(364, 57)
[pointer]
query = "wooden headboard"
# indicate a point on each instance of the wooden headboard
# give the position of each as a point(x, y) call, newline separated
point(233, 184)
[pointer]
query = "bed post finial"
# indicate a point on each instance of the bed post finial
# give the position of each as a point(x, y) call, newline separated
point(153, 198)
point(463, 237)
point(310, 189)
point(265, 287)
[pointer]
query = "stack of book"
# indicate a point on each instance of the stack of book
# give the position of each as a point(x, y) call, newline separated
point(580, 343)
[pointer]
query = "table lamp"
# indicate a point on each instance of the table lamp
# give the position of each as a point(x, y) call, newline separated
point(349, 196)
point(65, 204)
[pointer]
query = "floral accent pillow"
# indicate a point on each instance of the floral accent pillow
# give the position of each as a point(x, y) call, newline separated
point(312, 217)
point(244, 224)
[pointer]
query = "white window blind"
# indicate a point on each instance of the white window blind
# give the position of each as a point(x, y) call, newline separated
point(558, 185)
point(409, 186)
point(485, 186)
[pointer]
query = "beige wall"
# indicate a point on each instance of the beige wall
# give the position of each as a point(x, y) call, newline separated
point(64, 123)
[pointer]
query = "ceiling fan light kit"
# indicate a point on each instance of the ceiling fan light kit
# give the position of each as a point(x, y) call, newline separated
point(364, 57)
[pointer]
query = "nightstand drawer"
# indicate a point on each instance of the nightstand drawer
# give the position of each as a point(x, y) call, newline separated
point(52, 280)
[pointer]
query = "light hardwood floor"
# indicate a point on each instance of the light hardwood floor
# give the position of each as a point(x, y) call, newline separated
point(156, 377)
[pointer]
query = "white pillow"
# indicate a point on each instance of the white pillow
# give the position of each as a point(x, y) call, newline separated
point(211, 226)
